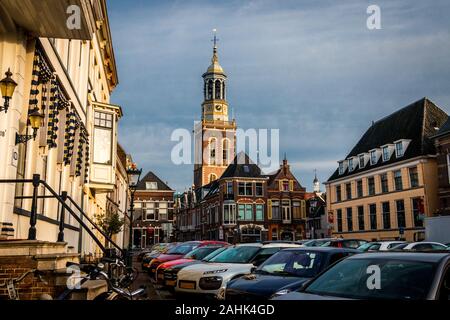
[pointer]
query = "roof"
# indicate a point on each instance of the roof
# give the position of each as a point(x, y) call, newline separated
point(415, 122)
point(151, 177)
point(242, 167)
point(445, 129)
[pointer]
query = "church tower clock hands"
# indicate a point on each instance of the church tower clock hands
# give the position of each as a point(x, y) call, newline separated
point(215, 134)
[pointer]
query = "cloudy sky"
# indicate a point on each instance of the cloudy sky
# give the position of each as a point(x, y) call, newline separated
point(309, 68)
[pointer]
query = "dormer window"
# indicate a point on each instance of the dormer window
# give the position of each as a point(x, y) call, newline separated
point(362, 161)
point(399, 149)
point(341, 167)
point(151, 186)
point(373, 157)
point(350, 164)
point(386, 154)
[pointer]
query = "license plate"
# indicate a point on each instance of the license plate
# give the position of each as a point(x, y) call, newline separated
point(161, 276)
point(171, 283)
point(187, 285)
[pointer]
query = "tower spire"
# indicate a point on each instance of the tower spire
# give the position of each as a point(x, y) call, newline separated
point(215, 59)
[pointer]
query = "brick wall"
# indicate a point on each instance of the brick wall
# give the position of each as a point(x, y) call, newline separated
point(31, 288)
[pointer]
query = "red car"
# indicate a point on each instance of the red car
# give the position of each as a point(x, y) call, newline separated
point(196, 254)
point(178, 252)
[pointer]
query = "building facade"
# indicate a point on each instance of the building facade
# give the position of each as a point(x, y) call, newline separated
point(153, 215)
point(67, 75)
point(442, 142)
point(387, 184)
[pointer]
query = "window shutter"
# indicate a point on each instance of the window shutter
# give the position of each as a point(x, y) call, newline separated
point(291, 185)
point(303, 209)
point(269, 209)
point(280, 185)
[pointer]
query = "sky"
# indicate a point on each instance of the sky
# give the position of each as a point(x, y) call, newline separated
point(311, 69)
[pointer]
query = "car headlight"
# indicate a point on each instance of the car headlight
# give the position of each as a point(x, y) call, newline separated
point(281, 293)
point(210, 283)
point(215, 271)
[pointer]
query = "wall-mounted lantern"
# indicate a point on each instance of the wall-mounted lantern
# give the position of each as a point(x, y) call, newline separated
point(7, 87)
point(35, 119)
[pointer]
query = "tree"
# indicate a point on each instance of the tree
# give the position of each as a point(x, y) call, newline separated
point(110, 223)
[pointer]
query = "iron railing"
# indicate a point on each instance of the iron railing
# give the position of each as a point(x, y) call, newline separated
point(63, 199)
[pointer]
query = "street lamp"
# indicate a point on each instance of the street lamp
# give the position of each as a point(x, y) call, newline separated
point(35, 119)
point(7, 87)
point(134, 176)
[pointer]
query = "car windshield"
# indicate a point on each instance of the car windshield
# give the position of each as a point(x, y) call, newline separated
point(213, 254)
point(315, 243)
point(182, 248)
point(293, 263)
point(241, 254)
point(200, 253)
point(375, 279)
point(398, 246)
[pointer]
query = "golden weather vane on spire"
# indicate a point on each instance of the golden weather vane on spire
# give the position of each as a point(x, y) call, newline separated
point(215, 40)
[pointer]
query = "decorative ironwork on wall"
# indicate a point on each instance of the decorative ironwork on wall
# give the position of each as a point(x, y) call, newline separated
point(80, 154)
point(58, 103)
point(69, 140)
point(41, 74)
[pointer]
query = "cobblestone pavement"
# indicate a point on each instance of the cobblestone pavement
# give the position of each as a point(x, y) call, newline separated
point(153, 292)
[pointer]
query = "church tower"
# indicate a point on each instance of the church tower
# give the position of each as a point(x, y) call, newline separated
point(215, 134)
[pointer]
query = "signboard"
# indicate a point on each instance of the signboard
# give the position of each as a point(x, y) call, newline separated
point(220, 233)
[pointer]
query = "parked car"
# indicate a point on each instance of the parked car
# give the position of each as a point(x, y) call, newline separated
point(196, 254)
point(178, 252)
point(403, 276)
point(425, 246)
point(379, 246)
point(317, 242)
point(286, 271)
point(344, 243)
point(171, 273)
point(155, 249)
point(237, 260)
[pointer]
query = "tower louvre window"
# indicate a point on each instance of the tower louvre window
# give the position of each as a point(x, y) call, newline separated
point(210, 90)
point(218, 89)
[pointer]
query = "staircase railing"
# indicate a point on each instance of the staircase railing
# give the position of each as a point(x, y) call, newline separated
point(62, 200)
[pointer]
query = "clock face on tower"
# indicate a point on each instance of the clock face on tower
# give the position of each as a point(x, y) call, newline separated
point(218, 108)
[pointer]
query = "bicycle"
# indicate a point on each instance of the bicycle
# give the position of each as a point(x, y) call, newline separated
point(10, 284)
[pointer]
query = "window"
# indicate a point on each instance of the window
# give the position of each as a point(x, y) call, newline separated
point(338, 193)
point(339, 220)
point(212, 150)
point(217, 89)
point(245, 188)
point(150, 211)
point(276, 210)
point(349, 219)
point(384, 183)
point(341, 167)
point(401, 221)
point(399, 149)
point(259, 189)
point(285, 186)
point(225, 152)
point(151, 185)
point(417, 206)
point(413, 177)
point(359, 188)
point(259, 212)
point(361, 218)
point(371, 185)
point(103, 130)
point(230, 188)
point(398, 180)
point(229, 213)
point(246, 212)
point(386, 155)
point(212, 177)
point(348, 191)
point(350, 164)
point(286, 210)
point(373, 157)
point(386, 215)
point(373, 216)
point(162, 211)
point(362, 161)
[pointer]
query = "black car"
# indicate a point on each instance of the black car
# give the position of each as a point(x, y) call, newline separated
point(285, 271)
point(381, 275)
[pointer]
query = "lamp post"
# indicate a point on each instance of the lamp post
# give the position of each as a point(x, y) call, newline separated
point(134, 176)
point(7, 87)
